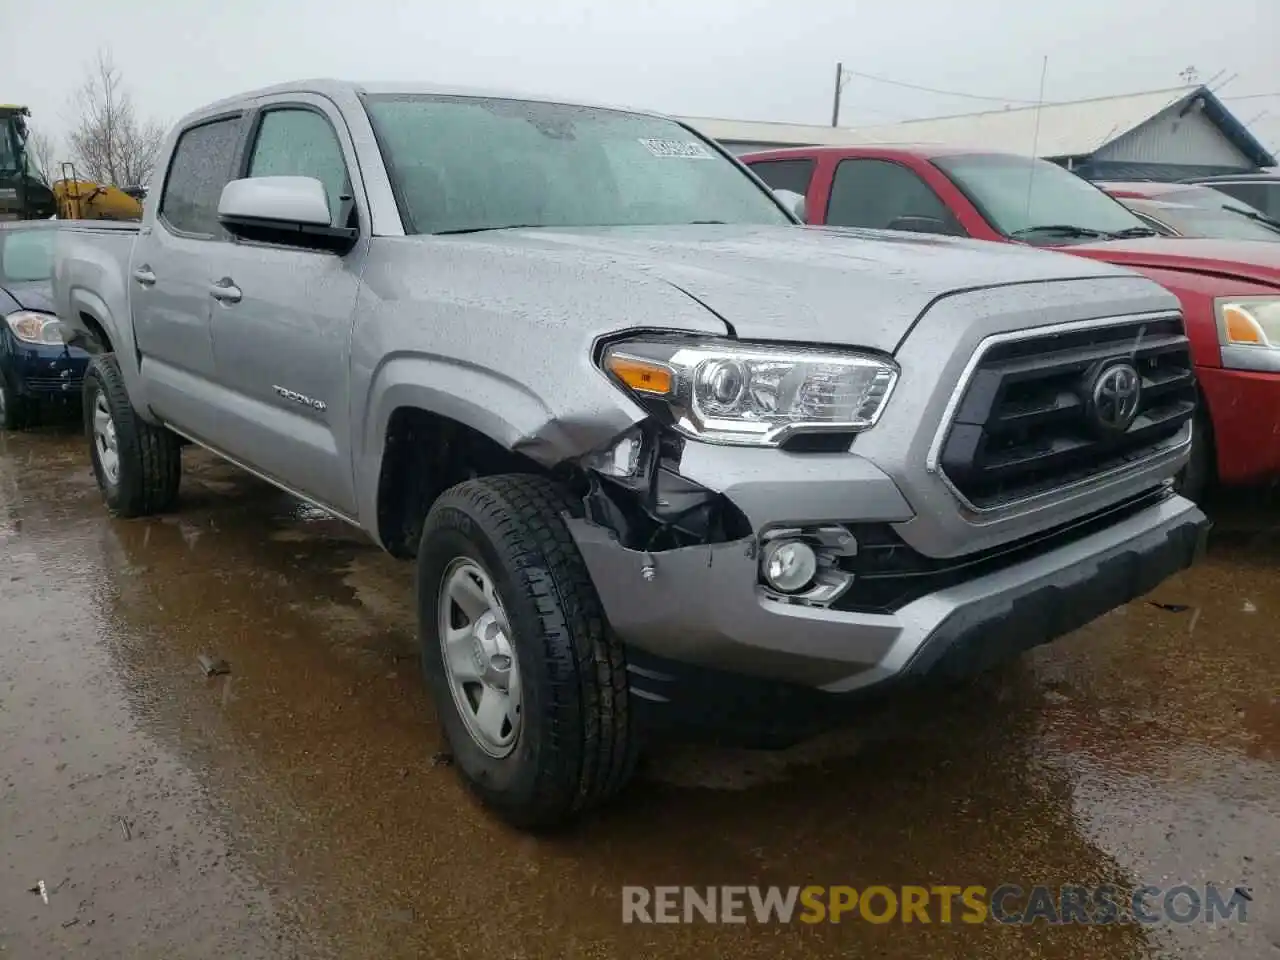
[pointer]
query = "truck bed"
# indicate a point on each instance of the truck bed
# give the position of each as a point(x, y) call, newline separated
point(100, 226)
point(91, 268)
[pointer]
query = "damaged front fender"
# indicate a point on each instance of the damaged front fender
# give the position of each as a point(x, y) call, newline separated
point(635, 489)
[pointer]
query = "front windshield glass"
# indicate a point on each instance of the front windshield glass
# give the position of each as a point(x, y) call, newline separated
point(1213, 222)
point(1200, 197)
point(1023, 198)
point(467, 163)
point(26, 255)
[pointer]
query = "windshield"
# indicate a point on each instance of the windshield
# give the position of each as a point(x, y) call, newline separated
point(1017, 195)
point(26, 255)
point(460, 164)
point(1199, 197)
point(1219, 222)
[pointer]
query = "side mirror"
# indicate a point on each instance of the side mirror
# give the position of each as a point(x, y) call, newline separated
point(793, 202)
point(918, 224)
point(288, 210)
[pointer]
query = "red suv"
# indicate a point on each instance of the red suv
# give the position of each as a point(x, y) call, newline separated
point(1230, 290)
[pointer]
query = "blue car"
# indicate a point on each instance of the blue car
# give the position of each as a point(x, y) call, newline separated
point(36, 368)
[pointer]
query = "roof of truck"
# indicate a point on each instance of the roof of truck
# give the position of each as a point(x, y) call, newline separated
point(334, 89)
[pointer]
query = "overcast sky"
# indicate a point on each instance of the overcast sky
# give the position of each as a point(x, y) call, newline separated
point(747, 59)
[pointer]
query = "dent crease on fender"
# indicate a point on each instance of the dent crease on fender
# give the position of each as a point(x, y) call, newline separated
point(561, 439)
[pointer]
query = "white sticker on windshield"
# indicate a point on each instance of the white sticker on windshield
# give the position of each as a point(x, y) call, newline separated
point(686, 149)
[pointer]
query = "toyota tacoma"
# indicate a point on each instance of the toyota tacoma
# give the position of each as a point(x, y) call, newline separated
point(667, 461)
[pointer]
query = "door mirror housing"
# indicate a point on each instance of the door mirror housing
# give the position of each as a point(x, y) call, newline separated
point(286, 210)
point(793, 202)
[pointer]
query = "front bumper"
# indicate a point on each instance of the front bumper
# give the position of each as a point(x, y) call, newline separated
point(41, 371)
point(702, 608)
point(1244, 406)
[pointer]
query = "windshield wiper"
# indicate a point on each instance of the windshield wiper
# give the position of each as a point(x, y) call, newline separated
point(1133, 232)
point(507, 226)
point(1066, 229)
point(1254, 215)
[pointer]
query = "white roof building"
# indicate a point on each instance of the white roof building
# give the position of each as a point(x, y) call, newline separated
point(1163, 134)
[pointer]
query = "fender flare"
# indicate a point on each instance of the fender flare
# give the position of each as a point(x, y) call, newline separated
point(501, 409)
point(82, 300)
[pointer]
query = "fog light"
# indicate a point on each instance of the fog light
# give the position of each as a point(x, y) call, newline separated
point(789, 565)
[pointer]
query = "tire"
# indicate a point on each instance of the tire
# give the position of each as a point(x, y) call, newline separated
point(15, 411)
point(574, 746)
point(147, 459)
point(1195, 477)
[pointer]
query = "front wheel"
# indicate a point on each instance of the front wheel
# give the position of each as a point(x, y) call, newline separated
point(138, 465)
point(529, 683)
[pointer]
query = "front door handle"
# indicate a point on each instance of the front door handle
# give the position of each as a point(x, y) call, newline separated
point(144, 276)
point(225, 291)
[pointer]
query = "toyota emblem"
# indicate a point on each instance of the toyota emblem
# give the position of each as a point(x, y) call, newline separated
point(1116, 394)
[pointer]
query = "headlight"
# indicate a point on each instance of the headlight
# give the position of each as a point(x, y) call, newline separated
point(724, 391)
point(32, 327)
point(1249, 332)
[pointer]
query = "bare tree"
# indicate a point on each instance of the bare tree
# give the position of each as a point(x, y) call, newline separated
point(110, 144)
point(40, 149)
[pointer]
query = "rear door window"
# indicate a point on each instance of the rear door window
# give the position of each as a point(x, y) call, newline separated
point(200, 168)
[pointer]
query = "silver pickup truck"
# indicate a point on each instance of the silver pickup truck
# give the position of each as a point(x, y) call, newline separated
point(666, 459)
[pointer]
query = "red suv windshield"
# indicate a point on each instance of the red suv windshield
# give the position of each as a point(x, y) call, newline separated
point(1038, 201)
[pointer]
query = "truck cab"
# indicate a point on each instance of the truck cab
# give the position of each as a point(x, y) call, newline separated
point(1229, 290)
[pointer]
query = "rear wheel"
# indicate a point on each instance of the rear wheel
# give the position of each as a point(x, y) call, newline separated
point(15, 411)
point(138, 465)
point(528, 681)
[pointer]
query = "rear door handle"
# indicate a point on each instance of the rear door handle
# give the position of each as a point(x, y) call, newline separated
point(144, 276)
point(225, 291)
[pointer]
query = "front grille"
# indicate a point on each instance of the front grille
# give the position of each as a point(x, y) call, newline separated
point(54, 383)
point(1031, 418)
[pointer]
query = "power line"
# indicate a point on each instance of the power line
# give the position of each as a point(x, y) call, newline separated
point(943, 93)
point(1251, 96)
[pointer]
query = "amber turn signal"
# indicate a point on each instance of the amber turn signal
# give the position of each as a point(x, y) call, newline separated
point(642, 376)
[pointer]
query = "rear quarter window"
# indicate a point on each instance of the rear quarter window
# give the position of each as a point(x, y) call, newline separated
point(793, 175)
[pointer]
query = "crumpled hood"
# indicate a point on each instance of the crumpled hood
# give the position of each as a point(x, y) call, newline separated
point(1257, 261)
point(812, 284)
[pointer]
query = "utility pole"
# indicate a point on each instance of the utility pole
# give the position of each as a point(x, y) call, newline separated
point(835, 104)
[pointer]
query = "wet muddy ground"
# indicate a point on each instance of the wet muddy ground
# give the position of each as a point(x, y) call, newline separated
point(293, 808)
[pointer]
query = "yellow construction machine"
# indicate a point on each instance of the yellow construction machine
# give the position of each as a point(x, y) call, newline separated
point(25, 196)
